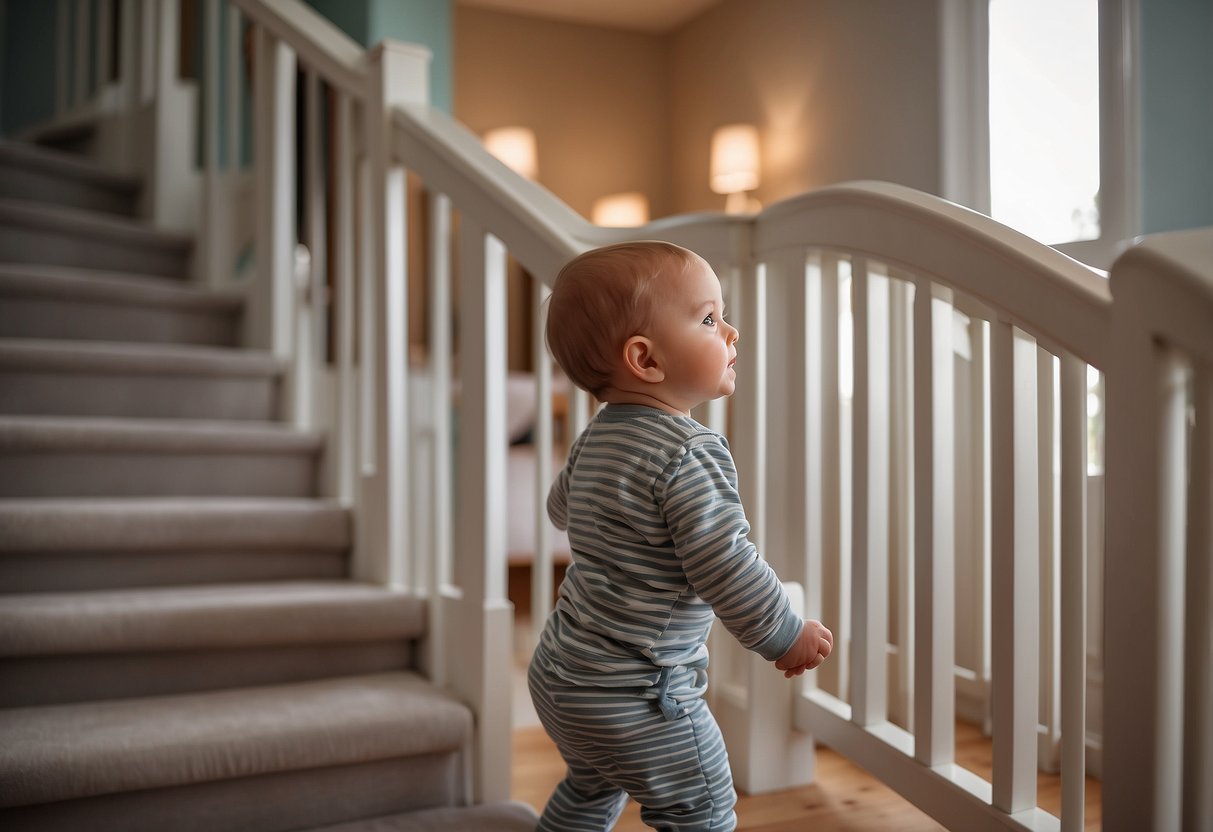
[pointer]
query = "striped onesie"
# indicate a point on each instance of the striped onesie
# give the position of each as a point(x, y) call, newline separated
point(659, 542)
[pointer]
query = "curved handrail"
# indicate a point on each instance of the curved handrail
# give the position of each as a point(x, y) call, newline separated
point(1041, 290)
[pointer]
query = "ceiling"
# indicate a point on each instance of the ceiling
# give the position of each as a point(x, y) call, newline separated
point(654, 16)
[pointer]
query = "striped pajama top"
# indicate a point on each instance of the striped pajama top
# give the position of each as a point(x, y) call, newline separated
point(659, 543)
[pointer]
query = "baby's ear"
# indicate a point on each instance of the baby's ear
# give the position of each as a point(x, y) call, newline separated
point(640, 361)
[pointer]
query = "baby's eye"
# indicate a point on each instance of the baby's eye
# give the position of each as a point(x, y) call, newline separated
point(710, 320)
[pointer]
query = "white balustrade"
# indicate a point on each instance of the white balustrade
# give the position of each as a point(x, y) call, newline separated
point(854, 494)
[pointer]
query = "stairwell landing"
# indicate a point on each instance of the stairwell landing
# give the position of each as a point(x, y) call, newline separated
point(181, 645)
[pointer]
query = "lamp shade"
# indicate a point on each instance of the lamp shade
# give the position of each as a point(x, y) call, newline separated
point(515, 146)
point(734, 164)
point(624, 210)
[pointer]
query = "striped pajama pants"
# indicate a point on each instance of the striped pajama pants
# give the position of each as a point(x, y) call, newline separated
point(668, 756)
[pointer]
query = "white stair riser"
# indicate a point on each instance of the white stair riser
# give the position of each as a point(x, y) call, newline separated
point(47, 680)
point(45, 317)
point(268, 803)
point(131, 473)
point(74, 572)
point(138, 395)
point(63, 248)
point(35, 185)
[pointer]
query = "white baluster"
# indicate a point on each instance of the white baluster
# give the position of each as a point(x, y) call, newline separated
point(397, 74)
point(541, 566)
point(1015, 566)
point(1049, 545)
point(934, 506)
point(870, 497)
point(825, 502)
point(1198, 604)
point(1073, 592)
point(440, 416)
point(235, 87)
point(213, 254)
point(345, 281)
point(484, 618)
point(901, 477)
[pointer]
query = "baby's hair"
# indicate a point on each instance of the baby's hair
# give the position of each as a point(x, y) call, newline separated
point(600, 299)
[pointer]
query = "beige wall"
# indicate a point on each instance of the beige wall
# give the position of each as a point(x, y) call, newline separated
point(840, 91)
point(596, 99)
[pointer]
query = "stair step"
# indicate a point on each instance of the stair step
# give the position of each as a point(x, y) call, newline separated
point(61, 302)
point(59, 456)
point(67, 545)
point(487, 817)
point(39, 174)
point(267, 758)
point(93, 378)
point(34, 233)
point(109, 644)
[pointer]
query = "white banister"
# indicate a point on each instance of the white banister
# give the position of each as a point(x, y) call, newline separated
point(934, 499)
point(1073, 600)
point(901, 480)
point(870, 496)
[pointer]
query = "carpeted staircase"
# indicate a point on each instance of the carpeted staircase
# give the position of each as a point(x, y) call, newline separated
point(180, 647)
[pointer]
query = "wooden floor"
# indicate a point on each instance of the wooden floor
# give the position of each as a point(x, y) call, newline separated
point(843, 799)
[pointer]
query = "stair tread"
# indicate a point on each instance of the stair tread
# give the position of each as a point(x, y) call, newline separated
point(509, 816)
point(96, 433)
point(111, 357)
point(171, 524)
point(90, 223)
point(62, 752)
point(205, 616)
point(96, 285)
point(67, 165)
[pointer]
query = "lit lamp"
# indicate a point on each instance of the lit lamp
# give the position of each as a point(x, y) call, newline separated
point(734, 167)
point(621, 210)
point(515, 146)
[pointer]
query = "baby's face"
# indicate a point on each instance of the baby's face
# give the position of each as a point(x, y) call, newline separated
point(696, 345)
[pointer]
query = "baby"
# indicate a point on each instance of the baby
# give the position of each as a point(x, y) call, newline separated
point(659, 542)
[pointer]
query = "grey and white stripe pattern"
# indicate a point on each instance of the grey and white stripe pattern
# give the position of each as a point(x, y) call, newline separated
point(659, 542)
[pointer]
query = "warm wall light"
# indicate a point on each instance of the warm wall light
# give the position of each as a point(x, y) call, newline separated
point(621, 210)
point(734, 165)
point(515, 146)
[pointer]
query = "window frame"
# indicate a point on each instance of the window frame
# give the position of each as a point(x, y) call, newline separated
point(965, 120)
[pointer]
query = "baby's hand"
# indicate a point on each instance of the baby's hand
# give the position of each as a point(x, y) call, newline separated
point(809, 650)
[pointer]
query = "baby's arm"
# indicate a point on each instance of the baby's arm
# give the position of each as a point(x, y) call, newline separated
point(558, 494)
point(812, 647)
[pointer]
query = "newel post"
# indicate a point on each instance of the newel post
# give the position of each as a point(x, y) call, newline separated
point(397, 74)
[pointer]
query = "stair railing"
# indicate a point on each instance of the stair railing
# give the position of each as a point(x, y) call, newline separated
point(853, 493)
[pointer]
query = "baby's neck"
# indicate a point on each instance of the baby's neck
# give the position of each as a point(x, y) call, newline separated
point(615, 396)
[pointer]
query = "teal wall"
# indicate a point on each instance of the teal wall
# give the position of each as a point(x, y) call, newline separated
point(426, 22)
point(1177, 114)
point(27, 64)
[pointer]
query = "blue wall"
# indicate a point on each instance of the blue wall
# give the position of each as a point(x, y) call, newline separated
point(426, 22)
point(1177, 114)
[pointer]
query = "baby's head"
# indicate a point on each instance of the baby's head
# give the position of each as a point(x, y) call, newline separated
point(602, 298)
